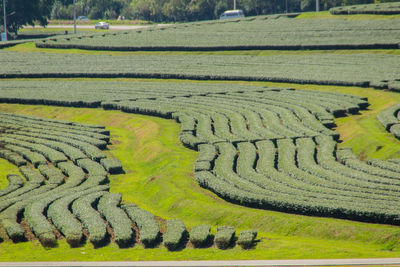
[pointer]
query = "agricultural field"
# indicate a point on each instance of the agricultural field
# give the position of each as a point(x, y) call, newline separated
point(378, 8)
point(263, 32)
point(357, 69)
point(118, 155)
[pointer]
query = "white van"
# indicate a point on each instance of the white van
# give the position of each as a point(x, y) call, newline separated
point(232, 14)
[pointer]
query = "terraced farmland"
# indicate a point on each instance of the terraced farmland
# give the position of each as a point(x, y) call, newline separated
point(359, 69)
point(268, 158)
point(62, 164)
point(64, 189)
point(263, 32)
point(249, 138)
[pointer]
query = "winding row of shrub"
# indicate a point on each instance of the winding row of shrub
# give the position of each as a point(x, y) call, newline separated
point(389, 118)
point(51, 188)
point(268, 148)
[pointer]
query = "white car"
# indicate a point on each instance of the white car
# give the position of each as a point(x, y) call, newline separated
point(83, 18)
point(232, 14)
point(102, 25)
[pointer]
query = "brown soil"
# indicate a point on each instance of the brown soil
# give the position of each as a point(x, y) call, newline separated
point(28, 232)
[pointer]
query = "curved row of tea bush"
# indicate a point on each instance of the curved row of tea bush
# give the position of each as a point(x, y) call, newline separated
point(389, 118)
point(272, 148)
point(70, 197)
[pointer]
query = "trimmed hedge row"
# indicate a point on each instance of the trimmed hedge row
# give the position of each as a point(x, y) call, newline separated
point(83, 209)
point(14, 182)
point(200, 236)
point(109, 207)
point(12, 157)
point(175, 235)
point(246, 238)
point(45, 44)
point(52, 174)
point(112, 165)
point(159, 76)
point(91, 167)
point(148, 227)
point(225, 237)
point(64, 220)
point(34, 158)
point(376, 8)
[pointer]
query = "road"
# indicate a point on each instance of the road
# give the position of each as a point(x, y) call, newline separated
point(331, 262)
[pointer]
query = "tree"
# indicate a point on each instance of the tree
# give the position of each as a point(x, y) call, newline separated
point(26, 12)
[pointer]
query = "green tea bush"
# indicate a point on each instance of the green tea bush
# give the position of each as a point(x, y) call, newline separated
point(224, 237)
point(200, 236)
point(109, 207)
point(112, 165)
point(246, 238)
point(175, 235)
point(145, 221)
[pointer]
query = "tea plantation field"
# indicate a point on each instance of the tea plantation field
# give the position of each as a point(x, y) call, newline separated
point(263, 32)
point(104, 154)
point(358, 68)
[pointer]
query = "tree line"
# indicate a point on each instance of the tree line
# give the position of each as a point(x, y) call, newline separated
point(184, 10)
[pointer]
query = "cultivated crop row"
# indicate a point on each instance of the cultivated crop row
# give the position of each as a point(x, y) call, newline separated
point(389, 118)
point(259, 33)
point(68, 196)
point(327, 68)
point(377, 8)
point(269, 148)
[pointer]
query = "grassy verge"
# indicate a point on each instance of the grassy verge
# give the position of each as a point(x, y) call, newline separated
point(159, 178)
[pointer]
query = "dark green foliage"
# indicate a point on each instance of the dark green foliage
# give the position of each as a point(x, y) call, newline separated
point(109, 207)
point(224, 237)
point(200, 236)
point(112, 165)
point(175, 235)
point(21, 13)
point(145, 221)
point(246, 238)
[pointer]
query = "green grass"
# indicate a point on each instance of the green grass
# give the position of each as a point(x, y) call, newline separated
point(6, 168)
point(159, 178)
